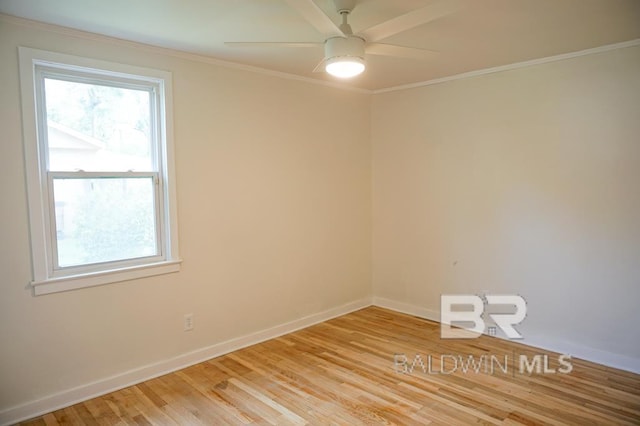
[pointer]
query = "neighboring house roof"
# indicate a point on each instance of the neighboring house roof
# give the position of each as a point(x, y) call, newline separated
point(63, 137)
point(73, 150)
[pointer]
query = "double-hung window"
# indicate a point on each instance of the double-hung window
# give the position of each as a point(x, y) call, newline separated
point(99, 167)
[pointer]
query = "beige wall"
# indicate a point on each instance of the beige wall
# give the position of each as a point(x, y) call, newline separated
point(525, 181)
point(274, 219)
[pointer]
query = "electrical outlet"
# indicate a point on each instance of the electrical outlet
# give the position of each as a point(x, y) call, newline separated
point(188, 322)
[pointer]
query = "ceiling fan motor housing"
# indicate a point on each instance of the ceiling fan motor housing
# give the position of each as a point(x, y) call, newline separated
point(351, 46)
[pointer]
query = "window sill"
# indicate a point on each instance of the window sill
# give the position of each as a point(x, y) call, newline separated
point(56, 285)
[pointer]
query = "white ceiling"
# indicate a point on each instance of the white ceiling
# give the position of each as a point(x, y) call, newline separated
point(480, 34)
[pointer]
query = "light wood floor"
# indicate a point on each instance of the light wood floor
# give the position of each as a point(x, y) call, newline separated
point(343, 372)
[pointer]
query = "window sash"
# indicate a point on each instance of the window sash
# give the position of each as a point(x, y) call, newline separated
point(56, 271)
point(96, 77)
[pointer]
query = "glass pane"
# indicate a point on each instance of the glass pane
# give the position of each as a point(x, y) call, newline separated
point(104, 219)
point(97, 128)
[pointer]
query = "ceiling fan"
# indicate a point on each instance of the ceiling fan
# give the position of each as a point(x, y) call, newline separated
point(344, 51)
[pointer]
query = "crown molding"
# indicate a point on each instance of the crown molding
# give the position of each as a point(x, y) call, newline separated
point(514, 66)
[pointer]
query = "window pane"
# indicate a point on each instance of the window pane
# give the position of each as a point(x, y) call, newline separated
point(97, 128)
point(104, 219)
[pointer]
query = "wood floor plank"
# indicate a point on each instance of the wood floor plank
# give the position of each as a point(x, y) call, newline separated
point(50, 420)
point(350, 371)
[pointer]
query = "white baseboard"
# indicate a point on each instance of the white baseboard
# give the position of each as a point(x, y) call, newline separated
point(407, 308)
point(610, 359)
point(132, 377)
point(598, 356)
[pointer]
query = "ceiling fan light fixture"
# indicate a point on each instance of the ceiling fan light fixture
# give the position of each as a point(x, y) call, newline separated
point(344, 66)
point(344, 56)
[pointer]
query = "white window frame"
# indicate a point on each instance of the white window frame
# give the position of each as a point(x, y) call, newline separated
point(48, 277)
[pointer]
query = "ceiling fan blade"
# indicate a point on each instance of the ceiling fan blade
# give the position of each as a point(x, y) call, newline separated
point(399, 51)
point(410, 20)
point(316, 17)
point(320, 66)
point(271, 44)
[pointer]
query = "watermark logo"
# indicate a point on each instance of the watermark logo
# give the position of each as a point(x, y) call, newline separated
point(469, 323)
point(491, 364)
point(466, 316)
